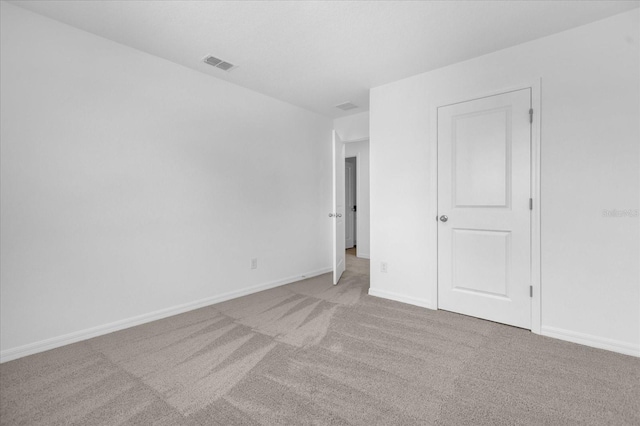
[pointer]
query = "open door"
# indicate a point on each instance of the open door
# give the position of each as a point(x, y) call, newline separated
point(338, 209)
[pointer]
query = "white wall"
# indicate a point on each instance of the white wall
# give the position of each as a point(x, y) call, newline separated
point(353, 127)
point(133, 188)
point(590, 139)
point(361, 151)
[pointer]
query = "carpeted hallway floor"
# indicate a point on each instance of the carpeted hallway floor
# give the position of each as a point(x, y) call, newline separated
point(312, 353)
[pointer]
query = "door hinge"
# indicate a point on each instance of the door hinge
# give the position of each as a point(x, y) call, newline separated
point(530, 291)
point(530, 115)
point(530, 203)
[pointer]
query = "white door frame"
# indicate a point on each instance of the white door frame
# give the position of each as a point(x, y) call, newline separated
point(339, 255)
point(355, 218)
point(535, 87)
point(358, 156)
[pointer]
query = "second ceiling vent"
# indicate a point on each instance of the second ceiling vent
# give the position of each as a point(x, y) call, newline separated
point(218, 63)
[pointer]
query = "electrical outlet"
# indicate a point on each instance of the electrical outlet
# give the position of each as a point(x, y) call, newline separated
point(254, 263)
point(383, 267)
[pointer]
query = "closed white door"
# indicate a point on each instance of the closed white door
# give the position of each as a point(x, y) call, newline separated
point(338, 208)
point(350, 199)
point(484, 216)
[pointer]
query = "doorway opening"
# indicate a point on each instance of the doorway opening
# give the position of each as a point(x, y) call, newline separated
point(350, 204)
point(357, 267)
point(357, 208)
point(350, 213)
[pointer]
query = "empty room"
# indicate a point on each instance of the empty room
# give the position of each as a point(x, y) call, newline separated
point(319, 212)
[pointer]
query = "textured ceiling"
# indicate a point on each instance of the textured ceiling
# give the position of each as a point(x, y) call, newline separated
point(317, 54)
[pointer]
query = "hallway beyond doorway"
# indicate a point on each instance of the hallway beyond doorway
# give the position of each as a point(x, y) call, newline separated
point(357, 267)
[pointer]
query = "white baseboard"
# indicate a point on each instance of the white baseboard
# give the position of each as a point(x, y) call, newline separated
point(590, 340)
point(362, 255)
point(424, 303)
point(66, 339)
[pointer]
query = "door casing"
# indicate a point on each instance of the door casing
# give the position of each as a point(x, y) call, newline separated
point(351, 192)
point(535, 87)
point(339, 255)
point(358, 156)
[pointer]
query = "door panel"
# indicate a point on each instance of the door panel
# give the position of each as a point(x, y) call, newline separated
point(481, 159)
point(481, 261)
point(338, 209)
point(484, 188)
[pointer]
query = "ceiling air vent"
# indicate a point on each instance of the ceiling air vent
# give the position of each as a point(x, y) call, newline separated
point(218, 63)
point(346, 106)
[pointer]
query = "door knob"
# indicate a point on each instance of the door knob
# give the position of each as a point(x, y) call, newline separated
point(331, 215)
point(444, 218)
point(339, 215)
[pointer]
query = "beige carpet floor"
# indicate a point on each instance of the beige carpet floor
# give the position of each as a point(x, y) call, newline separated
point(311, 353)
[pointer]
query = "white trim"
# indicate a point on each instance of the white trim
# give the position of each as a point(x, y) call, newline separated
point(590, 340)
point(77, 336)
point(358, 194)
point(358, 157)
point(536, 235)
point(423, 303)
point(432, 209)
point(358, 225)
point(535, 87)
